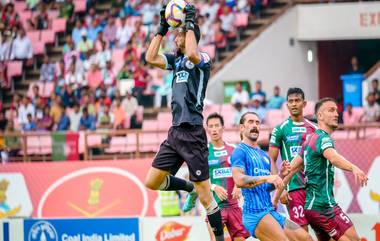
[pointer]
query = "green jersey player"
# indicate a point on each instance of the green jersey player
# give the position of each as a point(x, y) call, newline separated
point(319, 158)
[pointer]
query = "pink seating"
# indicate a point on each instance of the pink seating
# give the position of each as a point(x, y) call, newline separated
point(165, 120)
point(274, 117)
point(150, 125)
point(53, 14)
point(131, 143)
point(59, 25)
point(25, 15)
point(227, 108)
point(14, 68)
point(19, 6)
point(34, 36)
point(81, 146)
point(38, 48)
point(94, 140)
point(228, 118)
point(210, 50)
point(131, 21)
point(149, 142)
point(118, 144)
point(118, 59)
point(264, 134)
point(47, 36)
point(344, 134)
point(358, 111)
point(309, 108)
point(232, 136)
point(45, 145)
point(140, 113)
point(48, 89)
point(241, 20)
point(80, 6)
point(33, 145)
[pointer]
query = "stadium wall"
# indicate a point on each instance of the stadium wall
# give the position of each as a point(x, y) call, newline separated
point(272, 59)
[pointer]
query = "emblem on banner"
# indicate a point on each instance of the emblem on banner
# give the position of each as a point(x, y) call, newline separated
point(5, 210)
point(42, 231)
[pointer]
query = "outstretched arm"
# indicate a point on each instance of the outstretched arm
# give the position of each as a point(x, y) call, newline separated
point(191, 45)
point(273, 153)
point(245, 181)
point(340, 162)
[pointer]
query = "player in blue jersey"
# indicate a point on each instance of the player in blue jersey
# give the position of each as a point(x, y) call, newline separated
point(251, 171)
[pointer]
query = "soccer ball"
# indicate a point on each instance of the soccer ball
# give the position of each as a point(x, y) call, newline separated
point(174, 13)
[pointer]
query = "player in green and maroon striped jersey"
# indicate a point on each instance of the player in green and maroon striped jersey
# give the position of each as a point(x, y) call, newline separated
point(319, 158)
point(222, 183)
point(287, 139)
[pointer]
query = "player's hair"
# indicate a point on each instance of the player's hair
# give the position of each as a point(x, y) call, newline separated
point(296, 91)
point(242, 118)
point(319, 104)
point(215, 116)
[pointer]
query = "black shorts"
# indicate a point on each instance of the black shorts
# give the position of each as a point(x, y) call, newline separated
point(184, 144)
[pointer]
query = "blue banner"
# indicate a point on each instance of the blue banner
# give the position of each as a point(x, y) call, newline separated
point(115, 229)
point(352, 89)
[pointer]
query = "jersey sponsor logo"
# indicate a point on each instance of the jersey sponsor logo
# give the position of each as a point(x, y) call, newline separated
point(293, 138)
point(332, 232)
point(326, 145)
point(325, 139)
point(299, 129)
point(295, 150)
point(266, 159)
point(181, 76)
point(220, 153)
point(222, 172)
point(189, 64)
point(213, 162)
point(261, 171)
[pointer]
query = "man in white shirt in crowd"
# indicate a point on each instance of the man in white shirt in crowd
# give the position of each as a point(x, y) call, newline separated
point(124, 33)
point(240, 95)
point(75, 118)
point(22, 47)
point(25, 108)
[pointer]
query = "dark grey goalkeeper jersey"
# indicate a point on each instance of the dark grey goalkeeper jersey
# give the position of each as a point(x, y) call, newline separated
point(188, 87)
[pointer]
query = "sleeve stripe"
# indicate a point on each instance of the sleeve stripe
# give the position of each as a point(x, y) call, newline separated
point(205, 57)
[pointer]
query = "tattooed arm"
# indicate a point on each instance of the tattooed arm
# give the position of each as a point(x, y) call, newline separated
point(242, 180)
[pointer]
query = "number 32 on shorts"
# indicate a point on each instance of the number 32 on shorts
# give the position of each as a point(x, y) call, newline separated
point(298, 212)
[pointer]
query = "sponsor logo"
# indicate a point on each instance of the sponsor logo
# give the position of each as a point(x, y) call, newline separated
point(220, 153)
point(299, 129)
point(172, 231)
point(261, 171)
point(198, 172)
point(293, 138)
point(93, 192)
point(273, 139)
point(326, 145)
point(14, 196)
point(42, 231)
point(189, 64)
point(213, 162)
point(222, 172)
point(295, 150)
point(181, 76)
point(325, 139)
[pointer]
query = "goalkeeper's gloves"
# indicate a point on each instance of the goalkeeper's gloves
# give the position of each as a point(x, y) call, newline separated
point(163, 28)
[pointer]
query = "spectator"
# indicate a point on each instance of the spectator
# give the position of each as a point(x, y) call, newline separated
point(140, 78)
point(94, 77)
point(39, 106)
point(349, 117)
point(227, 20)
point(67, 10)
point(260, 92)
point(87, 121)
point(12, 143)
point(210, 8)
point(91, 16)
point(130, 54)
point(73, 78)
point(64, 121)
point(93, 30)
point(276, 101)
point(119, 115)
point(68, 98)
point(3, 121)
point(109, 77)
point(87, 102)
point(75, 118)
point(30, 125)
point(77, 32)
point(56, 109)
point(103, 56)
point(35, 93)
point(239, 111)
point(256, 106)
point(164, 90)
point(47, 72)
point(148, 10)
point(9, 16)
point(106, 119)
point(84, 46)
point(376, 89)
point(355, 67)
point(25, 108)
point(47, 122)
point(41, 20)
point(130, 106)
point(100, 39)
point(5, 47)
point(240, 95)
point(124, 33)
point(110, 32)
point(372, 110)
point(125, 73)
point(22, 47)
